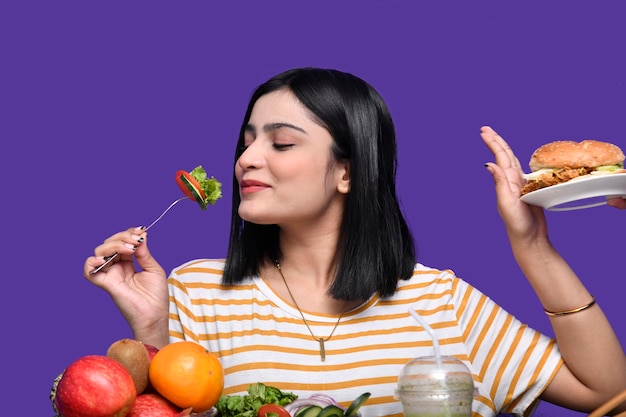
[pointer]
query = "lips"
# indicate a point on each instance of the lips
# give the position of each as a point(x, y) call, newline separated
point(251, 186)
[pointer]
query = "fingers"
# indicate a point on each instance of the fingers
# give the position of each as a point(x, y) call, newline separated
point(122, 242)
point(617, 202)
point(119, 247)
point(506, 171)
point(146, 261)
point(501, 150)
point(108, 260)
point(503, 187)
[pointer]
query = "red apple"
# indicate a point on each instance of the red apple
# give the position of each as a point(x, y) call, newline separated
point(95, 386)
point(152, 350)
point(154, 405)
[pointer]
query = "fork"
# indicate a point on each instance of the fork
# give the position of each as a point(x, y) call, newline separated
point(109, 259)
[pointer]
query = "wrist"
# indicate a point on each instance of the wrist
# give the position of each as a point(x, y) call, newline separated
point(156, 334)
point(536, 251)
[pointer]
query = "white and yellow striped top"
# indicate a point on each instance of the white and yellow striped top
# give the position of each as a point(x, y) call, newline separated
point(260, 337)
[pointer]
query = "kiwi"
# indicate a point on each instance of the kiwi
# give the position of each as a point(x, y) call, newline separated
point(134, 356)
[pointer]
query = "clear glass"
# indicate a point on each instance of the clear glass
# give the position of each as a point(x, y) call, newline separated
point(433, 386)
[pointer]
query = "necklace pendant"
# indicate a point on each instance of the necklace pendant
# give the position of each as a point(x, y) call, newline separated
point(322, 349)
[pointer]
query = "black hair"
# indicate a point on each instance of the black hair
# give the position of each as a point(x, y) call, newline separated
point(375, 246)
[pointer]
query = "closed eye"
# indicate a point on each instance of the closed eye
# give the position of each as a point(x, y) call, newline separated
point(282, 146)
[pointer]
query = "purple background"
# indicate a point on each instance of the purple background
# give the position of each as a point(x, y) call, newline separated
point(101, 102)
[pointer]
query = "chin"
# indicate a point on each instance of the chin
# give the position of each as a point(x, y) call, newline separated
point(256, 217)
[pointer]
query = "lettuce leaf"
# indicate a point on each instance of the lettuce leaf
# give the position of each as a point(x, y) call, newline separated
point(212, 188)
point(248, 405)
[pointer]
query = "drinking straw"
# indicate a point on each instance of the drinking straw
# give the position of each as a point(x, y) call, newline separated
point(432, 334)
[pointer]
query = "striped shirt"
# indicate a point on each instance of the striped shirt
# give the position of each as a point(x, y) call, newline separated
point(261, 337)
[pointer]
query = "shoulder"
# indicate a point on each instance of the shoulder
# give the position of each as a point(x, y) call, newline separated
point(426, 275)
point(427, 280)
point(207, 269)
point(202, 278)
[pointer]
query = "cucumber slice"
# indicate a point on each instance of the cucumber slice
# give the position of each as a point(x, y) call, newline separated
point(356, 404)
point(194, 192)
point(308, 411)
point(331, 411)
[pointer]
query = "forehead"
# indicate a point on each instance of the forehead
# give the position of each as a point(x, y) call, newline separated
point(279, 106)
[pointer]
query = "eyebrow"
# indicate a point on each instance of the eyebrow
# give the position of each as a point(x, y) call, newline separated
point(274, 126)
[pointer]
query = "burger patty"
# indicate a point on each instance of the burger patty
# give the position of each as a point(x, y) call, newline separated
point(553, 178)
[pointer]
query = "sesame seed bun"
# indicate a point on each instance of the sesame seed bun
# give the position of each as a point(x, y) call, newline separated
point(566, 153)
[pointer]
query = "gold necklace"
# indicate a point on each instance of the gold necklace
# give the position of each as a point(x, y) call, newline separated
point(320, 340)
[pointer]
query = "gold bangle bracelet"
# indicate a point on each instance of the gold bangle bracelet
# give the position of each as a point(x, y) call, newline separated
point(572, 311)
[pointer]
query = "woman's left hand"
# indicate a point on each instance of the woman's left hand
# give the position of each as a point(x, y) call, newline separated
point(523, 222)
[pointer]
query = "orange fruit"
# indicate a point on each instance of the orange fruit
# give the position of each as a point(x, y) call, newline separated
point(188, 375)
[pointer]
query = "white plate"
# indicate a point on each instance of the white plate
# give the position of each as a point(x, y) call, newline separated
point(579, 193)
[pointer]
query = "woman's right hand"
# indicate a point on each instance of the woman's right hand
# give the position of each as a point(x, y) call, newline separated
point(141, 293)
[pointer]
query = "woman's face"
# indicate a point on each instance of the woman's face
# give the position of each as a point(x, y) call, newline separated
point(286, 174)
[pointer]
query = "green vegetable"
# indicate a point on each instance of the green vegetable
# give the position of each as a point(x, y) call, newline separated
point(331, 411)
point(609, 168)
point(309, 411)
point(212, 188)
point(248, 405)
point(356, 404)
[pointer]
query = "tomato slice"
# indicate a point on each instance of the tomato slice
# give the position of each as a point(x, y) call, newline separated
point(272, 410)
point(189, 186)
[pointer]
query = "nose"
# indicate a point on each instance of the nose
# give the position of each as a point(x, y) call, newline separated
point(251, 157)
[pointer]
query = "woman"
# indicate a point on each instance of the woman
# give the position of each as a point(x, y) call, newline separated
point(320, 275)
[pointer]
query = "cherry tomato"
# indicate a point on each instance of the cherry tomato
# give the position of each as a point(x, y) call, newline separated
point(272, 410)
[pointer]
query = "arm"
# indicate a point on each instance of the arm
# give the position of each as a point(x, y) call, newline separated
point(595, 364)
point(141, 296)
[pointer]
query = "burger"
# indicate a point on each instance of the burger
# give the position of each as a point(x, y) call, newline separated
point(561, 161)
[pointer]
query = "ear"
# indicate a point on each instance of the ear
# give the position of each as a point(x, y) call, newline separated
point(343, 171)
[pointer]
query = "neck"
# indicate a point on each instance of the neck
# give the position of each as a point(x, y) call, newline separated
point(312, 259)
point(321, 340)
point(305, 294)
